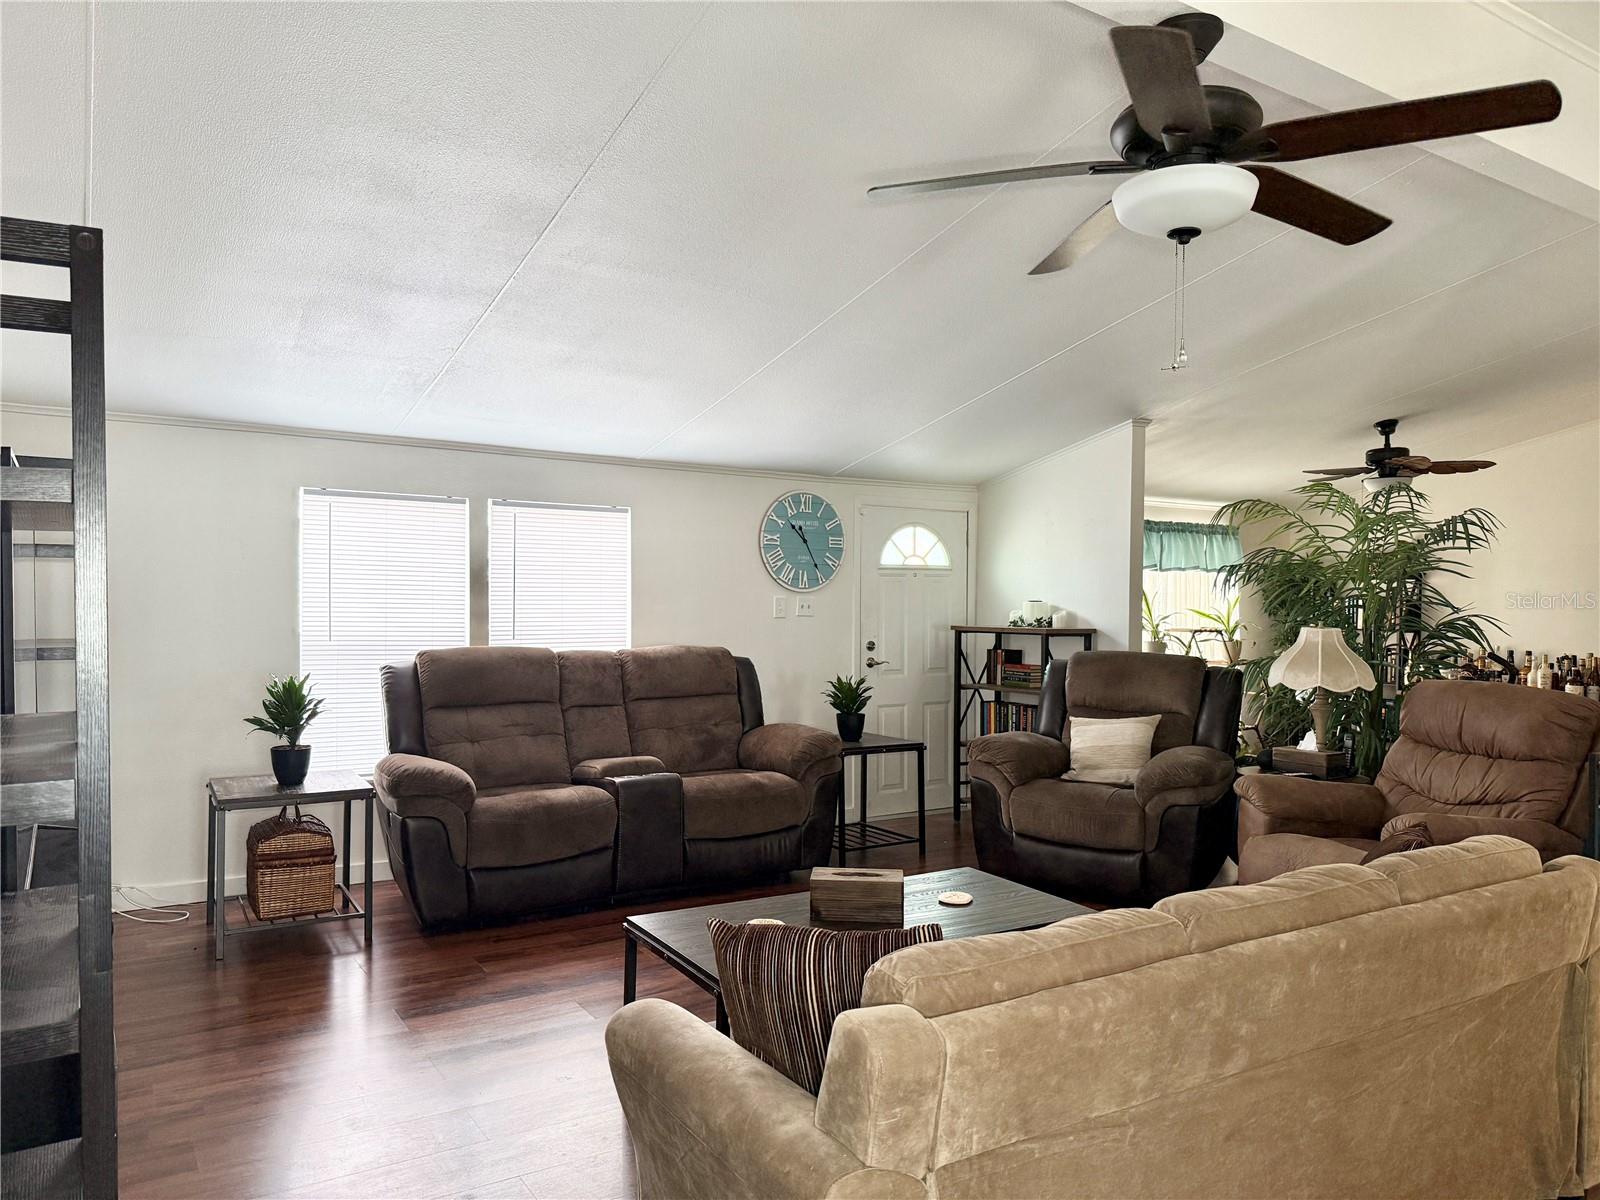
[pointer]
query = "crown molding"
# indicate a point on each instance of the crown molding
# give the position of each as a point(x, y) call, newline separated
point(381, 439)
point(1541, 30)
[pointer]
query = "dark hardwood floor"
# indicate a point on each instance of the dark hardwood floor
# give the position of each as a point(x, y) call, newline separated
point(459, 1065)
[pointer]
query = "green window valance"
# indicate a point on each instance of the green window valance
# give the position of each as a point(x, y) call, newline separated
point(1189, 546)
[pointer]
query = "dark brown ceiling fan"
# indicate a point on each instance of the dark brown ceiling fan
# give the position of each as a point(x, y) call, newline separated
point(1183, 140)
point(1389, 464)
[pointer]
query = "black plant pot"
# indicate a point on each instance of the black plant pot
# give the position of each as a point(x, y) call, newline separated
point(290, 764)
point(850, 725)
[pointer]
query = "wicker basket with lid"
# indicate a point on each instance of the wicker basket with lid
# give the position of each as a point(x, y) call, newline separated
point(289, 871)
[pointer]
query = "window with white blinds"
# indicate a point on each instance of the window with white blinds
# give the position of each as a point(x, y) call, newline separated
point(560, 576)
point(381, 577)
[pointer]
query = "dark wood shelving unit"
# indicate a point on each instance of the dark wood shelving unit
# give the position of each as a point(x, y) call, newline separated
point(972, 683)
point(57, 1048)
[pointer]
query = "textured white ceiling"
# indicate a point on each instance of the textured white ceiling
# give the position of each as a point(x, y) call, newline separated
point(642, 230)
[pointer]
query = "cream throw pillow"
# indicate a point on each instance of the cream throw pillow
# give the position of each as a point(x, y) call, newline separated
point(1110, 749)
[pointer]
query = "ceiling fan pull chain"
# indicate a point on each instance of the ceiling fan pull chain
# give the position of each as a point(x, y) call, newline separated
point(1180, 352)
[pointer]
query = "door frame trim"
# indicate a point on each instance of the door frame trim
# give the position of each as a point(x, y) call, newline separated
point(969, 509)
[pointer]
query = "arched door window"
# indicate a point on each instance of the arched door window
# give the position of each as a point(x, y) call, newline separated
point(915, 546)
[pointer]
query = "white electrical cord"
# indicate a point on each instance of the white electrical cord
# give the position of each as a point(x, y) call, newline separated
point(173, 914)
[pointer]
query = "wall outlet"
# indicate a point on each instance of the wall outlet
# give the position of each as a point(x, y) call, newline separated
point(802, 608)
point(780, 607)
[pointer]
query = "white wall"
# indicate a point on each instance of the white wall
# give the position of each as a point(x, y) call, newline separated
point(1541, 579)
point(203, 554)
point(1068, 529)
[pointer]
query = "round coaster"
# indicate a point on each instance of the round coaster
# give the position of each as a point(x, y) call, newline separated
point(763, 921)
point(955, 899)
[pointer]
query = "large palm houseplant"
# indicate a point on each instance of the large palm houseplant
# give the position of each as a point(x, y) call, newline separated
point(1372, 567)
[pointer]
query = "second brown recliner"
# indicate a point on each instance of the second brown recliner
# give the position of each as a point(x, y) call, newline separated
point(1472, 758)
point(1168, 832)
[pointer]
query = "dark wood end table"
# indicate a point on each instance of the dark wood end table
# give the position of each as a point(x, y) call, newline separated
point(680, 935)
point(240, 793)
point(866, 836)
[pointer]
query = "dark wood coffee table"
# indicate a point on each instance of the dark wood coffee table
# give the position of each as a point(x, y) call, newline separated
point(680, 936)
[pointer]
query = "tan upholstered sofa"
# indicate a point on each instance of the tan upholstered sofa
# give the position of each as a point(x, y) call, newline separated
point(520, 779)
point(1471, 758)
point(1420, 1027)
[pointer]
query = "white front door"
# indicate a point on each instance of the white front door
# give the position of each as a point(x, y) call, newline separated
point(913, 588)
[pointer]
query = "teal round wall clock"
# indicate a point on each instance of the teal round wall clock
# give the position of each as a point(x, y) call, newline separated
point(802, 541)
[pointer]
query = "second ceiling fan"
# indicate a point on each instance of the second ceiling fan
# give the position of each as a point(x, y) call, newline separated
point(1183, 142)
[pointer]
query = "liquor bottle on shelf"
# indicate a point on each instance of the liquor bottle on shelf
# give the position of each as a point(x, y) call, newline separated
point(1526, 676)
point(1591, 681)
point(1541, 674)
point(1558, 675)
point(1575, 676)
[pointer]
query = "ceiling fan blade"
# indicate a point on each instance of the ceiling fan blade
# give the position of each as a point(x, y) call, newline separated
point(1290, 199)
point(1401, 124)
point(1013, 175)
point(1416, 464)
point(1338, 472)
point(1091, 231)
point(1158, 66)
point(1458, 466)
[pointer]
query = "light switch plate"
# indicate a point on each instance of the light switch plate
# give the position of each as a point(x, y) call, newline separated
point(802, 608)
point(780, 607)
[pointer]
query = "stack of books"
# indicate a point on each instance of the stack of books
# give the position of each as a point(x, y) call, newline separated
point(1006, 669)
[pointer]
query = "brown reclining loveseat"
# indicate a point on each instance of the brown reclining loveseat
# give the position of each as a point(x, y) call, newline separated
point(521, 779)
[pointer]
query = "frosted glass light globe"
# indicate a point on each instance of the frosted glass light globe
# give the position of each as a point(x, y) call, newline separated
point(1203, 196)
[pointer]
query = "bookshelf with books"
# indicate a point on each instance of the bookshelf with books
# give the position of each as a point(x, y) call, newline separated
point(999, 671)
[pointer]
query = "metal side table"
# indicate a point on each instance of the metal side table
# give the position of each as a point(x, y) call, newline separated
point(865, 836)
point(239, 793)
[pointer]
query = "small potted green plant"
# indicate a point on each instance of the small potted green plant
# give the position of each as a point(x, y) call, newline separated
point(1228, 626)
point(847, 696)
point(1155, 628)
point(288, 708)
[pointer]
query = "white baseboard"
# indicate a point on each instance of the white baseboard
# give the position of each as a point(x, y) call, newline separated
point(193, 891)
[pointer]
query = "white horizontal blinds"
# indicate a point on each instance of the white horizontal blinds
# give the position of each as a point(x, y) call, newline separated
point(381, 577)
point(560, 576)
point(1174, 593)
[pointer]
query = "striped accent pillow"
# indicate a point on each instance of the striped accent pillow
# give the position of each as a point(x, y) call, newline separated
point(783, 985)
point(1110, 749)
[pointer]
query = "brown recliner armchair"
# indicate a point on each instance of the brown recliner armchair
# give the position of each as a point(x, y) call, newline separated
point(1168, 832)
point(1471, 758)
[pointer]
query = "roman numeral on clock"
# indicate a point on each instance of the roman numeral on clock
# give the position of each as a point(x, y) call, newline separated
point(768, 539)
point(774, 558)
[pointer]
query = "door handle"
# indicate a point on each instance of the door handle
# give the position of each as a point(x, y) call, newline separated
point(877, 662)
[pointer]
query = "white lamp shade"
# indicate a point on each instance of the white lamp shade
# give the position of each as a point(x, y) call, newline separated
point(1320, 658)
point(1203, 196)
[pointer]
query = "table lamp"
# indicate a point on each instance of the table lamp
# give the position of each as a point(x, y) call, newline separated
point(1320, 659)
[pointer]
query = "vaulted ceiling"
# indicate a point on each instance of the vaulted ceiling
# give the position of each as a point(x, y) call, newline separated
point(642, 230)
